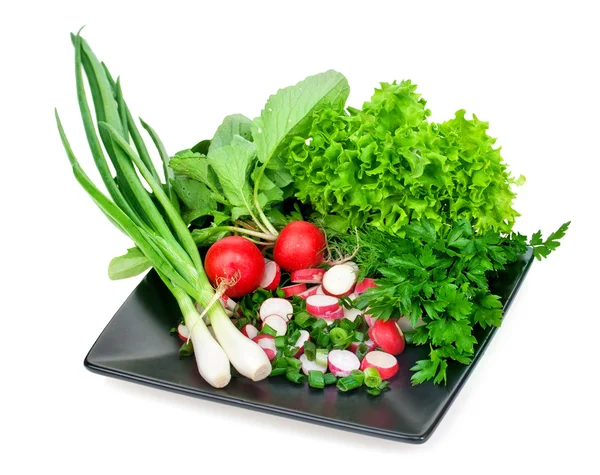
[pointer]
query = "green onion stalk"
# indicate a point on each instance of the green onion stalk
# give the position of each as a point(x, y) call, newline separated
point(153, 221)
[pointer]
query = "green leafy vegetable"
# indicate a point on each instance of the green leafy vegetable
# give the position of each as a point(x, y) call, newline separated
point(128, 265)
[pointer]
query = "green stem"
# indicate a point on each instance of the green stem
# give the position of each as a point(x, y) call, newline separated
point(265, 220)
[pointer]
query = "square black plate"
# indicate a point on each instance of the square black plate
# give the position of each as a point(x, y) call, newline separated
point(136, 346)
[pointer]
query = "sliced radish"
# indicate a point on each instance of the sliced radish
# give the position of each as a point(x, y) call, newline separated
point(387, 336)
point(276, 306)
point(351, 313)
point(307, 276)
point(337, 314)
point(370, 320)
point(321, 304)
point(267, 343)
point(183, 332)
point(272, 275)
point(386, 364)
point(342, 362)
point(303, 338)
point(352, 264)
point(319, 290)
point(277, 323)
point(309, 291)
point(308, 365)
point(250, 331)
point(364, 284)
point(293, 289)
point(339, 280)
point(355, 344)
point(228, 302)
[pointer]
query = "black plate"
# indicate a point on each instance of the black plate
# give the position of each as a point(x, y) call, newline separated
point(136, 346)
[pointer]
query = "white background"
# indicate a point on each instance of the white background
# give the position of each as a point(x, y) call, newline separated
point(527, 68)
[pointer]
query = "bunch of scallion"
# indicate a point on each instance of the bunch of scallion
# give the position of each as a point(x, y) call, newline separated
point(152, 220)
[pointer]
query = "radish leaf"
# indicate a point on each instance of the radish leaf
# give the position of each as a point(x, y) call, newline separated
point(232, 125)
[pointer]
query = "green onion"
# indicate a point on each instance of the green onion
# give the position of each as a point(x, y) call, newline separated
point(280, 341)
point(294, 362)
point(323, 339)
point(316, 379)
point(350, 382)
point(294, 376)
point(359, 375)
point(303, 319)
point(293, 337)
point(360, 336)
point(280, 362)
point(267, 330)
point(310, 350)
point(338, 336)
point(278, 372)
point(319, 324)
point(361, 351)
point(290, 350)
point(329, 378)
point(321, 356)
point(372, 378)
point(347, 325)
point(187, 349)
point(379, 389)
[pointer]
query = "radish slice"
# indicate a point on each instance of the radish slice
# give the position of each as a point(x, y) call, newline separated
point(277, 323)
point(355, 344)
point(319, 290)
point(319, 305)
point(351, 313)
point(311, 365)
point(387, 336)
point(183, 332)
point(267, 343)
point(370, 320)
point(337, 314)
point(342, 362)
point(271, 276)
point(308, 292)
point(250, 331)
point(276, 306)
point(364, 284)
point(339, 280)
point(293, 289)
point(228, 302)
point(303, 338)
point(386, 364)
point(352, 264)
point(307, 276)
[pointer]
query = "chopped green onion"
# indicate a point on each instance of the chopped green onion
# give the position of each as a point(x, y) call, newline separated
point(321, 357)
point(294, 376)
point(360, 336)
point(372, 378)
point(359, 375)
point(278, 372)
point(266, 329)
point(338, 336)
point(361, 351)
point(347, 325)
point(329, 378)
point(316, 379)
point(280, 362)
point(310, 350)
point(242, 322)
point(323, 339)
point(186, 349)
point(290, 351)
point(379, 389)
point(294, 362)
point(293, 338)
point(280, 342)
point(319, 324)
point(350, 382)
point(303, 319)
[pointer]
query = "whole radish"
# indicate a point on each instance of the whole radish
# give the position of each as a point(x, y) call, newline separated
point(300, 245)
point(235, 257)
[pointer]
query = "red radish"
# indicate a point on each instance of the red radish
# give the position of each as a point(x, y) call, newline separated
point(300, 245)
point(308, 276)
point(250, 331)
point(272, 275)
point(337, 314)
point(276, 306)
point(320, 290)
point(303, 338)
point(308, 365)
point(352, 313)
point(342, 362)
point(308, 292)
point(364, 284)
point(277, 323)
point(235, 257)
point(370, 320)
point(295, 289)
point(386, 364)
point(355, 344)
point(354, 265)
point(387, 336)
point(339, 280)
point(183, 332)
point(321, 304)
point(267, 343)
